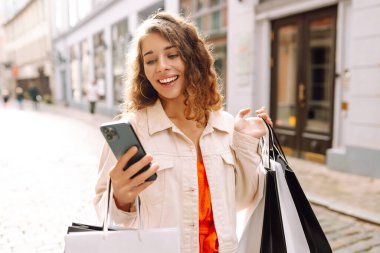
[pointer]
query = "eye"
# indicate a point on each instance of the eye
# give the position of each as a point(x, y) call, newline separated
point(150, 62)
point(172, 56)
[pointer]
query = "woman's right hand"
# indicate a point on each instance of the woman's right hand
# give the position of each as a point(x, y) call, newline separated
point(126, 189)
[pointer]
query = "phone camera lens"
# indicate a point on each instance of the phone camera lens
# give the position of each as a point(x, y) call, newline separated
point(110, 133)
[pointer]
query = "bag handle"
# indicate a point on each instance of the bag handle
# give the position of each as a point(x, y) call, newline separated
point(273, 147)
point(265, 149)
point(106, 216)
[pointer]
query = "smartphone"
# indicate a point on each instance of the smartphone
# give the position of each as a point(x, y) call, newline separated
point(120, 136)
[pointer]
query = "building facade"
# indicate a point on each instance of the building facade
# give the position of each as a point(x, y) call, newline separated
point(7, 11)
point(3, 61)
point(91, 38)
point(312, 63)
point(28, 48)
point(210, 17)
point(315, 64)
point(91, 41)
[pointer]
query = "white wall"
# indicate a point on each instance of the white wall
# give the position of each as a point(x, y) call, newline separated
point(343, 69)
point(240, 55)
point(364, 95)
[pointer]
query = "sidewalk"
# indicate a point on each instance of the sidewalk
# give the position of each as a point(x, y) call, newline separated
point(350, 194)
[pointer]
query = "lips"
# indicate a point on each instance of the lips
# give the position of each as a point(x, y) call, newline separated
point(168, 80)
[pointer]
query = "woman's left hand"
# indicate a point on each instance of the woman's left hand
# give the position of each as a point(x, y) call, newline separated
point(252, 126)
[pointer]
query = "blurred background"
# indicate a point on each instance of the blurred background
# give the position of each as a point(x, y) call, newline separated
point(314, 64)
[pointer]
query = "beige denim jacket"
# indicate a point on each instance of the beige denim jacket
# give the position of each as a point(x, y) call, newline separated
point(231, 163)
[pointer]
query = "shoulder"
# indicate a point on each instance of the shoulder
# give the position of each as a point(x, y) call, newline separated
point(138, 120)
point(225, 116)
point(222, 120)
point(132, 116)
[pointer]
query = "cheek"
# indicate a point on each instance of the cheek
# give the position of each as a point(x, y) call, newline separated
point(148, 73)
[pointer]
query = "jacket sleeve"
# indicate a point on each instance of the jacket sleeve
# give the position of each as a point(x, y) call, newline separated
point(117, 217)
point(249, 178)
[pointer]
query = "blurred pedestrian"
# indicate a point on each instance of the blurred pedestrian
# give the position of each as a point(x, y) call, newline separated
point(5, 94)
point(92, 96)
point(174, 104)
point(20, 97)
point(34, 95)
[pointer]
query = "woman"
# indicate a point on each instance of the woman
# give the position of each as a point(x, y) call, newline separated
point(205, 159)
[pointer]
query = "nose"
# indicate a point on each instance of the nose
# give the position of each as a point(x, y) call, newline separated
point(162, 64)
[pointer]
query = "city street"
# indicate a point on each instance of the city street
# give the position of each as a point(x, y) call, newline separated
point(48, 163)
point(48, 169)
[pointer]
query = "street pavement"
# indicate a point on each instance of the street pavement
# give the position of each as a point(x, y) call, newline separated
point(48, 164)
point(48, 167)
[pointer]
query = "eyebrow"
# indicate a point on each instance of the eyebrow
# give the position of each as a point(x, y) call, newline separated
point(166, 48)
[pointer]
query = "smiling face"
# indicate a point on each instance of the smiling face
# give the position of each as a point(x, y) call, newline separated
point(163, 67)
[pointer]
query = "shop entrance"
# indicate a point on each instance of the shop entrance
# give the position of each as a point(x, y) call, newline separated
point(302, 82)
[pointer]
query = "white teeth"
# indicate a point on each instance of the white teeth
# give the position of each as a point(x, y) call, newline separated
point(168, 80)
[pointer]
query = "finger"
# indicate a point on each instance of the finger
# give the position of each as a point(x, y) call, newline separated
point(130, 191)
point(261, 110)
point(137, 166)
point(140, 179)
point(263, 115)
point(136, 191)
point(269, 121)
point(118, 169)
point(244, 112)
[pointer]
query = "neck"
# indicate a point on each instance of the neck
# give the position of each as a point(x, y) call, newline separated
point(174, 108)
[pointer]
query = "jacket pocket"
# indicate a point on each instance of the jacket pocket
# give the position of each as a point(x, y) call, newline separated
point(228, 159)
point(156, 192)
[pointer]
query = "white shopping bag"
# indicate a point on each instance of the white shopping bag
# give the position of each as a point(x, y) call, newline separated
point(123, 240)
point(250, 236)
point(131, 240)
point(284, 221)
point(294, 234)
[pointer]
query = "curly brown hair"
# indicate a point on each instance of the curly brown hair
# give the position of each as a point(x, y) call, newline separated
point(201, 90)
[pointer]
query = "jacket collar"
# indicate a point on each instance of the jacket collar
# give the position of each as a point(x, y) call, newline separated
point(159, 121)
point(157, 118)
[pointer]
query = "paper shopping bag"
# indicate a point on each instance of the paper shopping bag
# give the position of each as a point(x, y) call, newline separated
point(283, 221)
point(82, 238)
point(122, 241)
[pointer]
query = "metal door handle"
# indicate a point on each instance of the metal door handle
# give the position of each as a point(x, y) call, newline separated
point(301, 94)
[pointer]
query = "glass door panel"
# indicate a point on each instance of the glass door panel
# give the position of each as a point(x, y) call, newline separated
point(302, 95)
point(320, 74)
point(287, 53)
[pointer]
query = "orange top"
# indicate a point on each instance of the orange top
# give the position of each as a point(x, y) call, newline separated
point(208, 239)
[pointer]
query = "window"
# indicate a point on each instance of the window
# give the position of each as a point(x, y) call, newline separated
point(120, 39)
point(199, 23)
point(100, 63)
point(200, 4)
point(215, 2)
point(186, 8)
point(85, 64)
point(216, 20)
point(75, 86)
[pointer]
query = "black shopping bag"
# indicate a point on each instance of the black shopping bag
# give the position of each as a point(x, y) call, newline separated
point(283, 220)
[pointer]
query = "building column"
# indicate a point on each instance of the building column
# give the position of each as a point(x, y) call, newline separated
point(240, 55)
